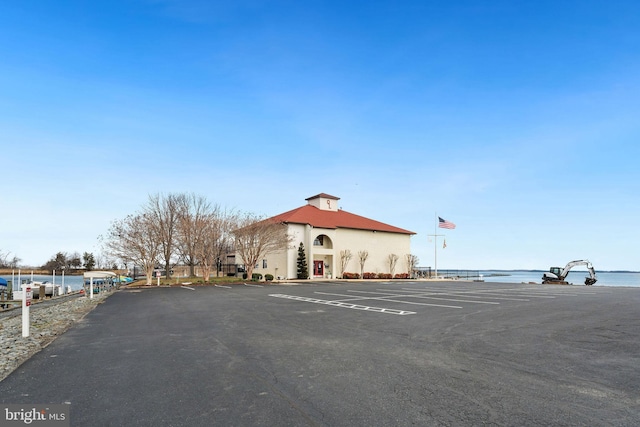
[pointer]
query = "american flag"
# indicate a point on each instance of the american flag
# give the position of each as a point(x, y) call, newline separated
point(445, 224)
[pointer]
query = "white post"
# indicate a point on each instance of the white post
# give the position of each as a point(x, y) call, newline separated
point(26, 302)
point(63, 280)
point(91, 288)
point(54, 278)
point(435, 244)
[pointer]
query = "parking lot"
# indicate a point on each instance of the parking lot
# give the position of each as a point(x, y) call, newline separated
point(391, 299)
point(347, 353)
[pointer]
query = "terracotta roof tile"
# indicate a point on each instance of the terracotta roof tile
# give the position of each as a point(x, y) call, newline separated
point(334, 219)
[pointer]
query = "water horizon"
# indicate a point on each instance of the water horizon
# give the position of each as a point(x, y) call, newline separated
point(576, 277)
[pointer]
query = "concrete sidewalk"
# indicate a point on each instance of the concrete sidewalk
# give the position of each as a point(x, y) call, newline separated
point(468, 354)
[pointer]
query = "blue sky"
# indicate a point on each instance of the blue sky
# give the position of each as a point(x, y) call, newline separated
point(518, 121)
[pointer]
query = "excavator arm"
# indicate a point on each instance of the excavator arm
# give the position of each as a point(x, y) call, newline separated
point(592, 279)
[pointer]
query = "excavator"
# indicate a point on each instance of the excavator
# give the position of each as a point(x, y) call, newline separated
point(556, 275)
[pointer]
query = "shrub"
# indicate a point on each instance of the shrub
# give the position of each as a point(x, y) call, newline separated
point(401, 276)
point(268, 277)
point(384, 276)
point(256, 276)
point(347, 275)
point(369, 276)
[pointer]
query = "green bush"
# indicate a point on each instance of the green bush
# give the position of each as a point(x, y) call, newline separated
point(268, 277)
point(256, 276)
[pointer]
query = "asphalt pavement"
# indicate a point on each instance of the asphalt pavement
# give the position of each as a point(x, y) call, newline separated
point(346, 354)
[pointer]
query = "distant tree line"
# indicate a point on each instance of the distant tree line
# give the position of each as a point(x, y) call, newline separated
point(188, 229)
point(59, 261)
point(70, 262)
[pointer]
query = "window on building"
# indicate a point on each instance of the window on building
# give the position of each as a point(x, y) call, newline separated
point(264, 263)
point(319, 241)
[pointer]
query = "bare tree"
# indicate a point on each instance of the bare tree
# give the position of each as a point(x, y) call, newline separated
point(255, 238)
point(204, 249)
point(193, 212)
point(163, 211)
point(6, 262)
point(133, 239)
point(412, 262)
point(215, 239)
point(392, 259)
point(15, 261)
point(362, 258)
point(345, 257)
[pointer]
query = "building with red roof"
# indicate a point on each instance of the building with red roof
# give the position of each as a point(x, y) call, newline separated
point(328, 233)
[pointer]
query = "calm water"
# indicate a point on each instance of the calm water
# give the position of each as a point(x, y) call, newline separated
point(575, 276)
point(74, 281)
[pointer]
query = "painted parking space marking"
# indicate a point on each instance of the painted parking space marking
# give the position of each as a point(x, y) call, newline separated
point(507, 294)
point(345, 304)
point(359, 299)
point(465, 293)
point(461, 294)
point(388, 299)
point(424, 295)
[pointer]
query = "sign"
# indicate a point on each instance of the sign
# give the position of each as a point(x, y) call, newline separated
point(28, 295)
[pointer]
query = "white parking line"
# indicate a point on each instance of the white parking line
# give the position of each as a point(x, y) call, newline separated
point(344, 305)
point(222, 286)
point(255, 286)
point(463, 293)
point(351, 298)
point(491, 293)
point(426, 296)
point(187, 287)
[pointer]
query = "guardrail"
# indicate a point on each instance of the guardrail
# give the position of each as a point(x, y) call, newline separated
point(459, 274)
point(427, 272)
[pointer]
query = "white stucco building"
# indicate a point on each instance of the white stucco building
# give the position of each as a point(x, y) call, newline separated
point(325, 230)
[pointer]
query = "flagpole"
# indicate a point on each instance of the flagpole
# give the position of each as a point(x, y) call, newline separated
point(435, 243)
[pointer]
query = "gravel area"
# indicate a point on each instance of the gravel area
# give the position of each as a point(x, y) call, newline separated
point(46, 324)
